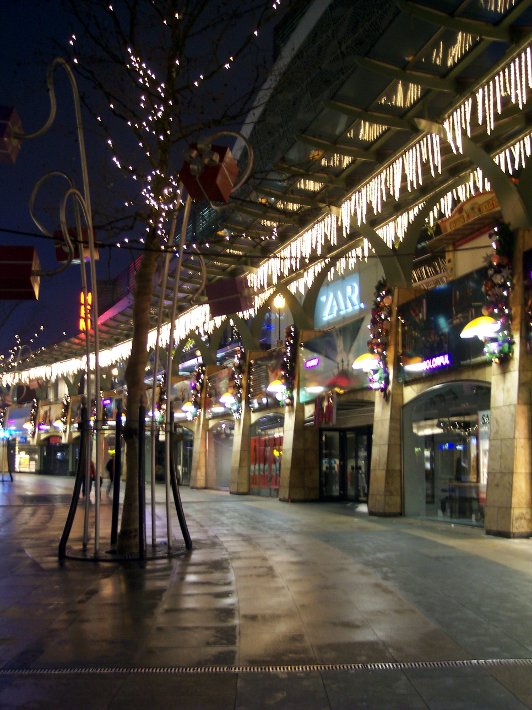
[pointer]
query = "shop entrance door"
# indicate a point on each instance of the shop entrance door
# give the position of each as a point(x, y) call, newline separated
point(345, 456)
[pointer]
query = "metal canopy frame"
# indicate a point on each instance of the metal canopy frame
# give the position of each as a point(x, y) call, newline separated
point(309, 143)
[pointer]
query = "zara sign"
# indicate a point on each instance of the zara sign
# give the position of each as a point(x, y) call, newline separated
point(338, 300)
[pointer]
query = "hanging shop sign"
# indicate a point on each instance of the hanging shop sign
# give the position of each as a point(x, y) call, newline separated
point(476, 213)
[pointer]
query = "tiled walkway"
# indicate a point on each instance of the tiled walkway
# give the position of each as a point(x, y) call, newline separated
point(278, 605)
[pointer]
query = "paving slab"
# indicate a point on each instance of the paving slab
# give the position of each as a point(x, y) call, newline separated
point(277, 605)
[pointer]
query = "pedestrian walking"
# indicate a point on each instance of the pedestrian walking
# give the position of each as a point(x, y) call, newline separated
point(110, 467)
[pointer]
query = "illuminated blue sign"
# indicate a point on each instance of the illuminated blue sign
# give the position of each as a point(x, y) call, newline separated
point(338, 300)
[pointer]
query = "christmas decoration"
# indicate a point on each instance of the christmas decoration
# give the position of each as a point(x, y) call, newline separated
point(288, 368)
point(33, 418)
point(3, 413)
point(64, 411)
point(196, 388)
point(237, 376)
point(379, 327)
point(497, 288)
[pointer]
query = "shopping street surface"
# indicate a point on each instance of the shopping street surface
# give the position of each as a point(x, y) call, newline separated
point(278, 605)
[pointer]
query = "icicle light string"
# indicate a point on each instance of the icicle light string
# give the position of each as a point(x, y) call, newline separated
point(511, 83)
point(198, 319)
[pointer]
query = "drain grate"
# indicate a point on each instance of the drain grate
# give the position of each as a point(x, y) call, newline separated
point(303, 668)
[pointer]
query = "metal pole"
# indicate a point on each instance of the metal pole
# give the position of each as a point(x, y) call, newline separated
point(85, 455)
point(75, 495)
point(117, 475)
point(141, 482)
point(177, 498)
point(153, 427)
point(168, 421)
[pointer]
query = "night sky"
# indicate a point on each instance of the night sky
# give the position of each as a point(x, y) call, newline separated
point(30, 34)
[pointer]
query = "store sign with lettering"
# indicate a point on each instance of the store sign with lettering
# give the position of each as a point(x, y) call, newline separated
point(437, 362)
point(338, 300)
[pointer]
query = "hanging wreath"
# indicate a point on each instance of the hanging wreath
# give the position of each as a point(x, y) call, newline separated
point(288, 367)
point(497, 288)
point(379, 327)
point(196, 387)
point(237, 377)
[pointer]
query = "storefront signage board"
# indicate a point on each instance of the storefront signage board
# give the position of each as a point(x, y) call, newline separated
point(431, 327)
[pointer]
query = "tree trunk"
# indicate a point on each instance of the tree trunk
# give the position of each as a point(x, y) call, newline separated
point(134, 377)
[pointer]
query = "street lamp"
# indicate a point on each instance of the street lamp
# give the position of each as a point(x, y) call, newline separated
point(279, 303)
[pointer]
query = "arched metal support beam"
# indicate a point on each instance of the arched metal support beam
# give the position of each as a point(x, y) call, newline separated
point(513, 208)
point(342, 149)
point(302, 319)
point(397, 267)
point(246, 337)
point(459, 24)
point(428, 81)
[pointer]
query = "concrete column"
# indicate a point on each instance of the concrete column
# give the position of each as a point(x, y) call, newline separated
point(508, 509)
point(385, 490)
point(300, 465)
point(240, 455)
point(198, 475)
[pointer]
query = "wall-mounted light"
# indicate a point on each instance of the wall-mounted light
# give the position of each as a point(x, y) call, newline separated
point(481, 327)
point(276, 387)
point(315, 389)
point(366, 362)
point(227, 399)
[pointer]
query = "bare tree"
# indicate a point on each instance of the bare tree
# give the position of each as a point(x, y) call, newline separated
point(155, 74)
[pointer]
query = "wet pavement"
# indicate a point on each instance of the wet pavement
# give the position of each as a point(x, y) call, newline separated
point(277, 606)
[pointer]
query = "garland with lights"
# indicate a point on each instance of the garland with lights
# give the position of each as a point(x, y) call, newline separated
point(497, 288)
point(250, 389)
point(237, 376)
point(33, 417)
point(379, 327)
point(3, 412)
point(288, 368)
point(65, 406)
point(196, 387)
point(160, 405)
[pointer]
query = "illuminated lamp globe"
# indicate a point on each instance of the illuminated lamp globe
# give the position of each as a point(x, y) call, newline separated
point(188, 407)
point(227, 399)
point(279, 301)
point(413, 364)
point(366, 362)
point(482, 327)
point(276, 386)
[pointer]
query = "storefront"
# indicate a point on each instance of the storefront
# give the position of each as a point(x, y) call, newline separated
point(266, 455)
point(337, 397)
point(266, 395)
point(345, 456)
point(445, 428)
point(445, 452)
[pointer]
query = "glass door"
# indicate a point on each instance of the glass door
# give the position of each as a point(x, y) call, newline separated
point(345, 456)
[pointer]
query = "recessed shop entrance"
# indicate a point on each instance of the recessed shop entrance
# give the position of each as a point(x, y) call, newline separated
point(345, 456)
point(445, 452)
